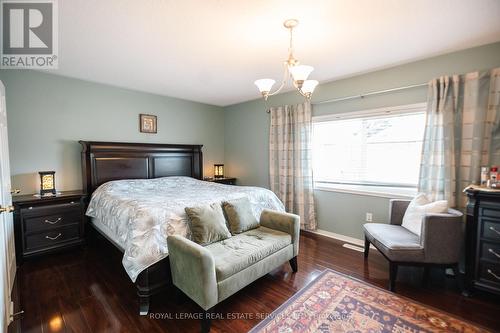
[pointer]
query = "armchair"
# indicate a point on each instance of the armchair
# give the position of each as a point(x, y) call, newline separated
point(438, 245)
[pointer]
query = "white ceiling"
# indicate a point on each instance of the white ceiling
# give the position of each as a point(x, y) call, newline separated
point(211, 51)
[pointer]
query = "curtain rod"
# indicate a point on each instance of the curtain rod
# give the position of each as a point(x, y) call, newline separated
point(369, 94)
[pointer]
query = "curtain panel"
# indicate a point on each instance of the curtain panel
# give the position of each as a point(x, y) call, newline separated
point(462, 134)
point(290, 160)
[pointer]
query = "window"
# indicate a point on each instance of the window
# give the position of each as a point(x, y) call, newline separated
point(376, 151)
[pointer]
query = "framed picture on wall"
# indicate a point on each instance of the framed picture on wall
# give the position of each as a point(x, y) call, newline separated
point(147, 123)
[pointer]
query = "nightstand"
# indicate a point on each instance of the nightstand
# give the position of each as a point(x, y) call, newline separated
point(48, 224)
point(225, 180)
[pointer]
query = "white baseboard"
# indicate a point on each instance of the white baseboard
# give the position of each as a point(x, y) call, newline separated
point(343, 238)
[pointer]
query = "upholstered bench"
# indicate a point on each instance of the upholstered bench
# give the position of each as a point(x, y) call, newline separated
point(209, 274)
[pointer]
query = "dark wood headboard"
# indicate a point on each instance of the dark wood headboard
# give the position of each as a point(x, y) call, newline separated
point(105, 161)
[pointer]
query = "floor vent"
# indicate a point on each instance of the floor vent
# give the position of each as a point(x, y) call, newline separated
point(353, 247)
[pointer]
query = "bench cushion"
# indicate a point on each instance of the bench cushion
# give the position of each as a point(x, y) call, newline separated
point(234, 254)
point(395, 242)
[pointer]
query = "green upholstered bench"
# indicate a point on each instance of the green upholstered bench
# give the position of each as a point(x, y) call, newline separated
point(209, 274)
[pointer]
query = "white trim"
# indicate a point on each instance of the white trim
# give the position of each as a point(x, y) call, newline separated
point(353, 247)
point(373, 193)
point(343, 238)
point(391, 110)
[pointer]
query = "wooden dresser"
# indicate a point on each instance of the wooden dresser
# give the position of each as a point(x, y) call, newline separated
point(48, 224)
point(482, 248)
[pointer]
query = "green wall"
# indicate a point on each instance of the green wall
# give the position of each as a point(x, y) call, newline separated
point(48, 114)
point(246, 128)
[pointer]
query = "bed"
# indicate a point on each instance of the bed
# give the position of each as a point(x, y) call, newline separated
point(138, 193)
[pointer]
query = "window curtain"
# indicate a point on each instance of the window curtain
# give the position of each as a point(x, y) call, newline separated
point(290, 162)
point(462, 134)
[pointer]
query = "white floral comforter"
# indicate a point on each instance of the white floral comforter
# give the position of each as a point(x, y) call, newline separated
point(141, 213)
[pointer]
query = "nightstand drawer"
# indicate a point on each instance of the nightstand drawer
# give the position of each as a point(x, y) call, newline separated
point(52, 238)
point(48, 222)
point(50, 209)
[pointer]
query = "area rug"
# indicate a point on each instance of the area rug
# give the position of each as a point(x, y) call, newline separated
point(334, 302)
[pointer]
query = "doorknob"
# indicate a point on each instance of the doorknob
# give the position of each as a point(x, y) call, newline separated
point(6, 209)
point(15, 191)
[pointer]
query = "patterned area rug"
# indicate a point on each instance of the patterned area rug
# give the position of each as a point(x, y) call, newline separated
point(334, 302)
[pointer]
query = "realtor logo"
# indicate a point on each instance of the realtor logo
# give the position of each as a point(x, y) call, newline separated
point(29, 34)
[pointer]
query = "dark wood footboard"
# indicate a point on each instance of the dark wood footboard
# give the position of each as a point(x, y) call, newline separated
point(151, 281)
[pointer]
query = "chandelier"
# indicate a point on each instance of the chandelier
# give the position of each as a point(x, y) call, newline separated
point(293, 69)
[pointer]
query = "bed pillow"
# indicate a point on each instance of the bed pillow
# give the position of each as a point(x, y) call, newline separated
point(207, 224)
point(239, 215)
point(418, 208)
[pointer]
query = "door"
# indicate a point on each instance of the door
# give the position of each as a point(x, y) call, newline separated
point(7, 251)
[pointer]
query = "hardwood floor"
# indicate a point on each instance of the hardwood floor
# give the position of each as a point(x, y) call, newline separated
point(88, 291)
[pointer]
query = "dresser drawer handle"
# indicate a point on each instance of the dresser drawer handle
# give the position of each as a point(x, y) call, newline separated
point(53, 222)
point(494, 275)
point(54, 238)
point(494, 253)
point(495, 230)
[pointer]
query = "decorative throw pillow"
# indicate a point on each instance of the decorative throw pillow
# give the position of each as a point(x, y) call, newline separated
point(418, 208)
point(207, 223)
point(239, 215)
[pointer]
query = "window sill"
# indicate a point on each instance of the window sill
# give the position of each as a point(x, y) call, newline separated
point(373, 191)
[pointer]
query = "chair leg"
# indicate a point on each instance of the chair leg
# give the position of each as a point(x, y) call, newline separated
point(367, 247)
point(293, 264)
point(393, 272)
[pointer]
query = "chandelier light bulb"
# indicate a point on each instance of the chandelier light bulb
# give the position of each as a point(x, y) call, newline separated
point(301, 72)
point(308, 86)
point(264, 85)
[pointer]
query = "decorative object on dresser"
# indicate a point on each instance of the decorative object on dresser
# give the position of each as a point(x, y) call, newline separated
point(218, 170)
point(482, 257)
point(47, 183)
point(147, 123)
point(224, 180)
point(48, 224)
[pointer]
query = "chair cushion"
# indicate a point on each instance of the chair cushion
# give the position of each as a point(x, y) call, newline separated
point(243, 250)
point(418, 208)
point(239, 215)
point(395, 242)
point(207, 224)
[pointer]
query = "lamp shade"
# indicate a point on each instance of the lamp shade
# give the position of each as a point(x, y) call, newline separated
point(47, 182)
point(301, 72)
point(264, 85)
point(218, 170)
point(308, 86)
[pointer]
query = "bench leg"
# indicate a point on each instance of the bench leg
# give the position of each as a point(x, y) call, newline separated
point(206, 321)
point(143, 305)
point(367, 247)
point(393, 272)
point(293, 264)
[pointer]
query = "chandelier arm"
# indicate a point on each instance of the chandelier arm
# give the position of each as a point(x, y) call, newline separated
point(306, 96)
point(283, 82)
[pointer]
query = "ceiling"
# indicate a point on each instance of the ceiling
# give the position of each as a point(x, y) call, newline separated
point(211, 51)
